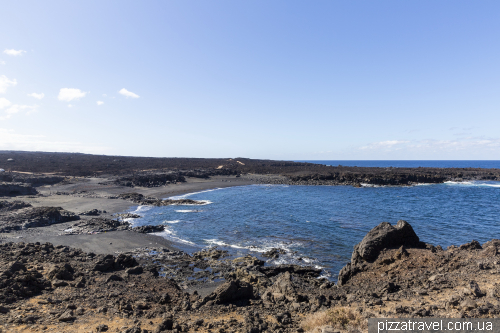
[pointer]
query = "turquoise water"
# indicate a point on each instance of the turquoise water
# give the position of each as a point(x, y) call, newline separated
point(319, 225)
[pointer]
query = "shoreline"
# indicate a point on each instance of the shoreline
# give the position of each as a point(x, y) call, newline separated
point(111, 242)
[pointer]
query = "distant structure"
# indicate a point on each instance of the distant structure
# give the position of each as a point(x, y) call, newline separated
point(2, 170)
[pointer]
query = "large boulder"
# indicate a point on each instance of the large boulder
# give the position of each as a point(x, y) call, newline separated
point(230, 291)
point(384, 236)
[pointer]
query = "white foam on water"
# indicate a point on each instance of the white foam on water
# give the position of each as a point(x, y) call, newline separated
point(142, 208)
point(184, 196)
point(477, 183)
point(458, 183)
point(170, 235)
point(370, 185)
point(172, 222)
point(203, 203)
point(188, 211)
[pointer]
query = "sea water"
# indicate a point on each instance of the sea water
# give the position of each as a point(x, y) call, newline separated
point(319, 225)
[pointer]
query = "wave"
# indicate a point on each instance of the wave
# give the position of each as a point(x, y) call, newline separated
point(170, 235)
point(172, 222)
point(141, 209)
point(476, 183)
point(203, 203)
point(188, 211)
point(184, 196)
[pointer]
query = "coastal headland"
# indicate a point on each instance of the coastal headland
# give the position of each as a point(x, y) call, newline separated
point(70, 261)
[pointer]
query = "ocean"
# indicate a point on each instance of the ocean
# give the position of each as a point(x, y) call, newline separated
point(319, 225)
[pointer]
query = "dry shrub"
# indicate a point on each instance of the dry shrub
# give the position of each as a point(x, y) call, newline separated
point(341, 318)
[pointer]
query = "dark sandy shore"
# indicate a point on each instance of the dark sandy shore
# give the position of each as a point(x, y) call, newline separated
point(83, 194)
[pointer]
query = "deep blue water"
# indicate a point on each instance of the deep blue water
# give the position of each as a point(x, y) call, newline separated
point(321, 224)
point(410, 163)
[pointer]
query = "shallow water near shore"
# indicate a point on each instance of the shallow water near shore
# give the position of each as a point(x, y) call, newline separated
point(319, 225)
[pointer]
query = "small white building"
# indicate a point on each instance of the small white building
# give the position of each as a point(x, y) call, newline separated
point(2, 170)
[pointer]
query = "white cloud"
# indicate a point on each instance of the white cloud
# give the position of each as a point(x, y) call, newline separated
point(37, 96)
point(17, 108)
point(14, 53)
point(5, 83)
point(70, 105)
point(104, 95)
point(2, 62)
point(4, 102)
point(127, 93)
point(69, 94)
point(100, 102)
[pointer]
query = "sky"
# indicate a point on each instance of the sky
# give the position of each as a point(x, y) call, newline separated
point(280, 79)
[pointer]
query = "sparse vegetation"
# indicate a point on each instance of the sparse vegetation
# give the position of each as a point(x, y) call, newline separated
point(342, 318)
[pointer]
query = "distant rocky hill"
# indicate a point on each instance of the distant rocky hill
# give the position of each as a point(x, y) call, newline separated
point(143, 170)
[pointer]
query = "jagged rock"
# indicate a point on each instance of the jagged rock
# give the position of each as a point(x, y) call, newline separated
point(142, 200)
point(474, 245)
point(248, 260)
point(212, 253)
point(21, 216)
point(6, 206)
point(14, 189)
point(135, 270)
point(384, 236)
point(381, 237)
point(145, 229)
point(110, 262)
point(274, 253)
point(67, 316)
point(92, 212)
point(99, 224)
point(64, 272)
point(473, 288)
point(281, 289)
point(230, 291)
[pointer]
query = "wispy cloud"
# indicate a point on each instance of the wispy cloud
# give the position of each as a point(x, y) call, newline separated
point(386, 145)
point(14, 53)
point(127, 93)
point(2, 62)
point(69, 94)
point(460, 147)
point(5, 82)
point(37, 96)
point(16, 108)
point(100, 102)
point(4, 102)
point(11, 140)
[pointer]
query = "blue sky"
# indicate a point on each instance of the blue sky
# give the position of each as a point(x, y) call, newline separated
point(259, 79)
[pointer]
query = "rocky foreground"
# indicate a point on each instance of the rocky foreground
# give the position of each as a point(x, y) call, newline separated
point(391, 274)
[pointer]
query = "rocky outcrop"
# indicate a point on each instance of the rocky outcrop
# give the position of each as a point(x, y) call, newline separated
point(383, 236)
point(230, 291)
point(22, 216)
point(142, 200)
point(15, 189)
point(146, 229)
point(99, 224)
